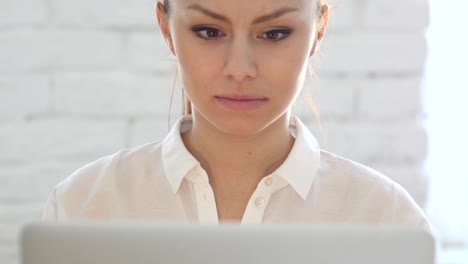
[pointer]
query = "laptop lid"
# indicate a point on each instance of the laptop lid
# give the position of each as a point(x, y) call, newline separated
point(141, 243)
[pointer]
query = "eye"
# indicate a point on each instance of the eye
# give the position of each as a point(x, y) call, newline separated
point(208, 33)
point(276, 34)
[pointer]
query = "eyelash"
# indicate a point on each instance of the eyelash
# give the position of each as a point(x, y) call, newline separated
point(198, 29)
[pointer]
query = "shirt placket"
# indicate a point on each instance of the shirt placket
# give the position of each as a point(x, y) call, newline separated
point(260, 198)
point(206, 204)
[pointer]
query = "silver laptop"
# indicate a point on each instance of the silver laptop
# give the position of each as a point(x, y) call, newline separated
point(144, 243)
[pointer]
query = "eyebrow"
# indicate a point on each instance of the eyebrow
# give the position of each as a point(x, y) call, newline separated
point(273, 15)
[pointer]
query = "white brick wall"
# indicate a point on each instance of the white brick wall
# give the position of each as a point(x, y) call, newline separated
point(105, 13)
point(381, 99)
point(82, 79)
point(60, 139)
point(401, 15)
point(144, 48)
point(373, 52)
point(118, 94)
point(59, 50)
point(15, 88)
point(19, 13)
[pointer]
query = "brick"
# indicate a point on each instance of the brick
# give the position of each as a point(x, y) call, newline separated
point(146, 130)
point(105, 13)
point(371, 53)
point(149, 52)
point(61, 139)
point(342, 15)
point(404, 15)
point(334, 98)
point(12, 220)
point(32, 182)
point(28, 50)
point(154, 128)
point(399, 142)
point(390, 98)
point(19, 13)
point(24, 191)
point(22, 95)
point(114, 93)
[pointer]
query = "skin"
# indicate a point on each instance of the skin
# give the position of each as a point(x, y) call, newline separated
point(232, 54)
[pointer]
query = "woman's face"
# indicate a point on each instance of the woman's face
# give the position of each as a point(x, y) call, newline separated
point(242, 63)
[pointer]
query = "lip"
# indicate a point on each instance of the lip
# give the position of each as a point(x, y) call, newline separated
point(241, 101)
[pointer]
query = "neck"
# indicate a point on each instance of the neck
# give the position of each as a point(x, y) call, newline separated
point(239, 158)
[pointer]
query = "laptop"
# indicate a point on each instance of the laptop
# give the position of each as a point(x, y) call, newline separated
point(144, 243)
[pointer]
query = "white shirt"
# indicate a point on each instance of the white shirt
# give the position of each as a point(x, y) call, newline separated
point(162, 181)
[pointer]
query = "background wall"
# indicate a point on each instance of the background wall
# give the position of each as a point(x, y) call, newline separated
point(82, 79)
point(447, 123)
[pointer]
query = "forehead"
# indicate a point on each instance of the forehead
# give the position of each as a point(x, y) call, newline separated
point(246, 8)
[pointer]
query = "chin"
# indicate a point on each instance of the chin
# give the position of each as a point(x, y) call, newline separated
point(239, 123)
point(243, 126)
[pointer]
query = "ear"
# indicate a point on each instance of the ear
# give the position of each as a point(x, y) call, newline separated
point(163, 22)
point(320, 30)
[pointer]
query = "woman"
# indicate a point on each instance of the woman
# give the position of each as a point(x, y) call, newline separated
point(238, 154)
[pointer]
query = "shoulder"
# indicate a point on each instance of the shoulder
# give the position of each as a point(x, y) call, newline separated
point(367, 194)
point(104, 179)
point(351, 173)
point(121, 162)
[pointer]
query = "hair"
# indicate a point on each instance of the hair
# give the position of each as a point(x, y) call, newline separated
point(187, 105)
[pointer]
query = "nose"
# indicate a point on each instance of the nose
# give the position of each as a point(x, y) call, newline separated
point(240, 61)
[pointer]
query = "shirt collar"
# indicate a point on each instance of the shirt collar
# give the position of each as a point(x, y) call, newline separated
point(301, 166)
point(299, 169)
point(177, 160)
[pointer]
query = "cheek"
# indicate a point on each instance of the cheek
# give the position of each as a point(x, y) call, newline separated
point(191, 56)
point(286, 68)
point(196, 71)
point(197, 63)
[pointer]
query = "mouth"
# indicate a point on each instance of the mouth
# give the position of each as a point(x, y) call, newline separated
point(242, 102)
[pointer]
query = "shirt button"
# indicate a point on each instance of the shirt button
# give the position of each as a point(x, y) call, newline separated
point(259, 202)
point(268, 182)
